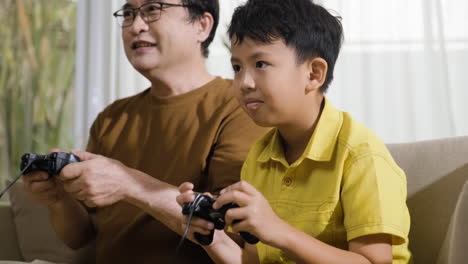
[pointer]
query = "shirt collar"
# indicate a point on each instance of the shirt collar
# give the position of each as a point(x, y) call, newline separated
point(321, 144)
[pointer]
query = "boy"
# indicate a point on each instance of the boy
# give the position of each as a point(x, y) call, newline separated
point(319, 187)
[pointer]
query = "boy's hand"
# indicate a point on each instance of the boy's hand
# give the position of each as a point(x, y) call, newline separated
point(255, 213)
point(197, 225)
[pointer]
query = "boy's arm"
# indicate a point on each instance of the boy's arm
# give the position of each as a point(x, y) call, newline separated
point(225, 250)
point(258, 218)
point(302, 248)
point(225, 247)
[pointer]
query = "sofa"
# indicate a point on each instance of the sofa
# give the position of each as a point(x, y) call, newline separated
point(437, 176)
point(26, 234)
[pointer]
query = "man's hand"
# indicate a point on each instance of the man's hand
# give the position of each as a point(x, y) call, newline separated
point(43, 189)
point(255, 213)
point(96, 181)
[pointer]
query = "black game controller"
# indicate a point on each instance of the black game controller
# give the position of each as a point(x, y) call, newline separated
point(52, 163)
point(202, 207)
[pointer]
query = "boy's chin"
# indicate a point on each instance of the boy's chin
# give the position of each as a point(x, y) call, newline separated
point(263, 123)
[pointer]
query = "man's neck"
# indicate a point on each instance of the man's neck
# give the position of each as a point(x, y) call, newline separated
point(179, 79)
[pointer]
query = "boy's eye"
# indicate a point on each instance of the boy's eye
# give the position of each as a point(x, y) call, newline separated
point(236, 68)
point(261, 64)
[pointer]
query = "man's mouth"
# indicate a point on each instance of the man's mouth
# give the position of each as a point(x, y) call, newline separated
point(142, 44)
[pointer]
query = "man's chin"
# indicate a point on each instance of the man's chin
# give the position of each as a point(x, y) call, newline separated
point(144, 67)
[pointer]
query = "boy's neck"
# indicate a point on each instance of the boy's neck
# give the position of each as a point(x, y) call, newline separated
point(296, 136)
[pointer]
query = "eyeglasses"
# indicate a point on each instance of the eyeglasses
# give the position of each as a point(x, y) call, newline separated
point(149, 12)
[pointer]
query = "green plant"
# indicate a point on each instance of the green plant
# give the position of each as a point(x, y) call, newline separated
point(37, 65)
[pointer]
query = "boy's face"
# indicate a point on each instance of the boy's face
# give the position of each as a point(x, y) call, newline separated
point(269, 83)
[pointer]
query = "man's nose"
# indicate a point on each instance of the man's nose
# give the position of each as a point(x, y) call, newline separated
point(139, 24)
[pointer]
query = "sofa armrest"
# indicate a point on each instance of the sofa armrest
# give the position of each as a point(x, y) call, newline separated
point(9, 249)
point(453, 250)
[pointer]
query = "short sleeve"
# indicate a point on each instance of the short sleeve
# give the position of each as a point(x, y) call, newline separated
point(237, 133)
point(374, 198)
point(94, 145)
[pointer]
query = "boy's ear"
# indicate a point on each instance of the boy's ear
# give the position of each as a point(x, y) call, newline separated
point(204, 26)
point(317, 69)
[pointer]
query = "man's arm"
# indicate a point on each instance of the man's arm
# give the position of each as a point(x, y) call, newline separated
point(68, 217)
point(98, 181)
point(156, 198)
point(71, 222)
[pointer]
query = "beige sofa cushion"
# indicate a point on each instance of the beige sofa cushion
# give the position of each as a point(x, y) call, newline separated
point(436, 172)
point(36, 237)
point(22, 262)
point(8, 242)
point(454, 249)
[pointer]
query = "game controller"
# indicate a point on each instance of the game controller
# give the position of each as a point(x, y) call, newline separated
point(52, 163)
point(202, 206)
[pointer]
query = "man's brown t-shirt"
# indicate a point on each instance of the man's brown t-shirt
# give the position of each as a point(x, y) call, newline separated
point(201, 137)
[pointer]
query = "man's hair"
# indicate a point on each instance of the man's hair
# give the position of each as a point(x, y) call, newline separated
point(303, 25)
point(199, 7)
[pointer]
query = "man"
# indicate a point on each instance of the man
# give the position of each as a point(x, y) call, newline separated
point(186, 127)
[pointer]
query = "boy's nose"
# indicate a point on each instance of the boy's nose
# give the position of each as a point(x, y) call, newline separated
point(247, 82)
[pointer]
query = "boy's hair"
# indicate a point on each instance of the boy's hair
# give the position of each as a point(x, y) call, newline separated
point(198, 9)
point(303, 25)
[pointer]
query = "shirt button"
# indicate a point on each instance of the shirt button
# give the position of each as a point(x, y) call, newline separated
point(287, 181)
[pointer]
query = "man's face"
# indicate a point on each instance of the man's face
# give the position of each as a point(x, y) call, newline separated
point(161, 44)
point(269, 83)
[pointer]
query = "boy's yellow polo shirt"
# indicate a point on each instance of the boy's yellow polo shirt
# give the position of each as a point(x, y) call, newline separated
point(345, 185)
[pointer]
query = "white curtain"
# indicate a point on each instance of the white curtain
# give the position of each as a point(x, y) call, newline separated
point(402, 70)
point(103, 72)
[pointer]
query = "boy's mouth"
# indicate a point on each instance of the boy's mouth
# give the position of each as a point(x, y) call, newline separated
point(253, 104)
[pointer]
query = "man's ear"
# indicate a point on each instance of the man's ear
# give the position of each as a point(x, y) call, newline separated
point(317, 69)
point(204, 25)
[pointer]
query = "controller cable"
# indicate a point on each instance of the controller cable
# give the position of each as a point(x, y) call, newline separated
point(15, 180)
point(184, 235)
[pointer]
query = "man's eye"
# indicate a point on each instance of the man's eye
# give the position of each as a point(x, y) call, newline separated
point(261, 64)
point(127, 13)
point(152, 8)
point(236, 68)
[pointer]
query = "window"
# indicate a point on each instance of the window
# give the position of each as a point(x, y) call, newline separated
point(37, 72)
